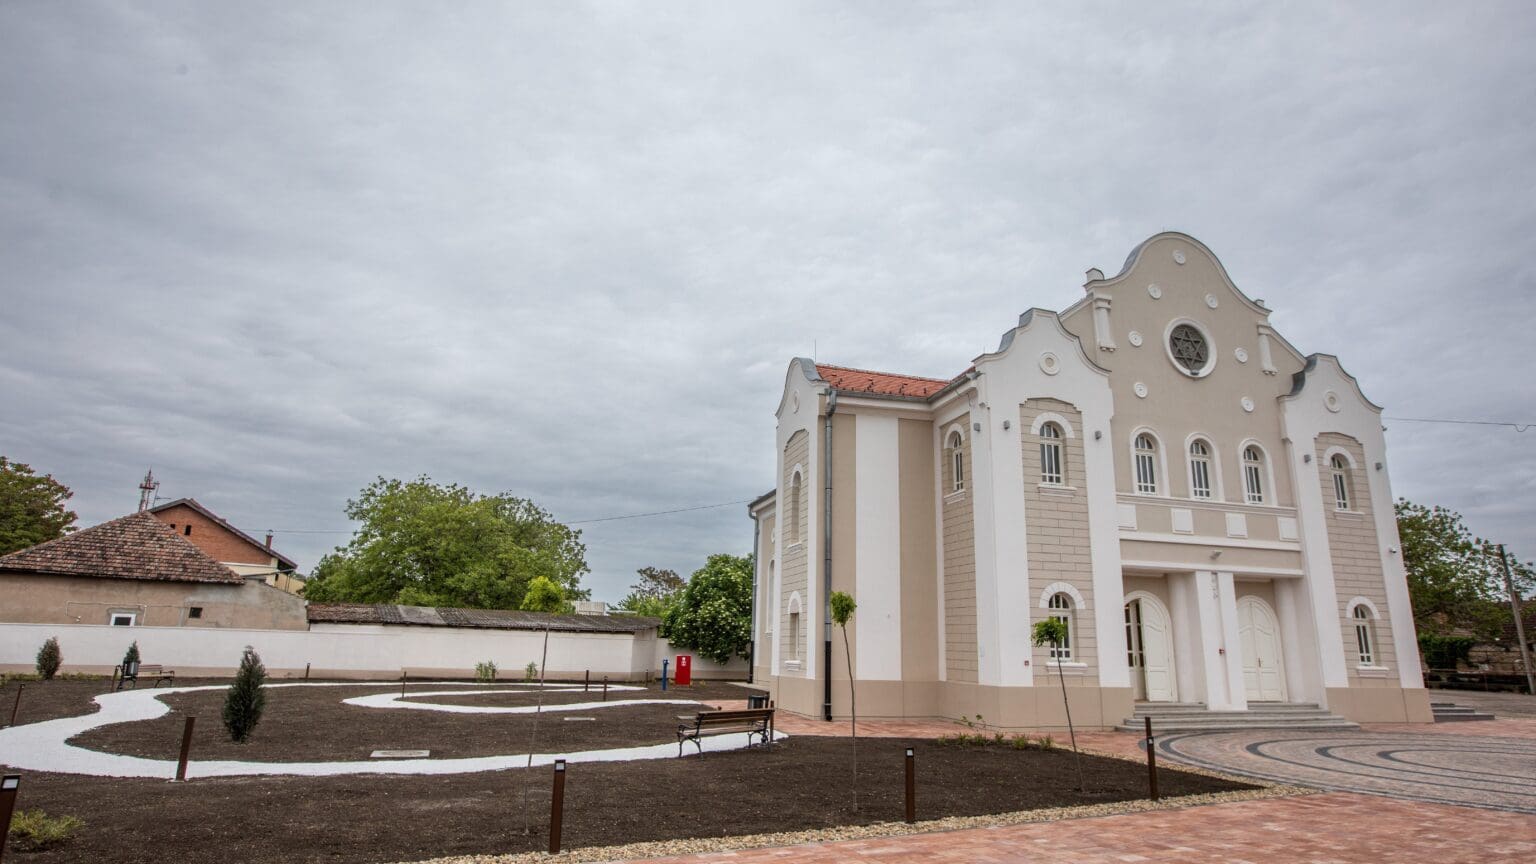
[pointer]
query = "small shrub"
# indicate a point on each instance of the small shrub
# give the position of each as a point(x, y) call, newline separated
point(131, 655)
point(246, 698)
point(49, 658)
point(34, 830)
point(485, 671)
point(531, 671)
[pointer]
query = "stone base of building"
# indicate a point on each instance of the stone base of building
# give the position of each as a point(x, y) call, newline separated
point(1381, 704)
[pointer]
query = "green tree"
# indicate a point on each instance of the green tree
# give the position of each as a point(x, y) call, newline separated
point(656, 592)
point(426, 544)
point(1455, 580)
point(246, 698)
point(714, 614)
point(544, 596)
point(842, 610)
point(31, 507)
point(131, 655)
point(49, 658)
point(1052, 631)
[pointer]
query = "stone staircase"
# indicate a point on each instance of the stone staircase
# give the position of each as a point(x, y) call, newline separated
point(1450, 712)
point(1195, 717)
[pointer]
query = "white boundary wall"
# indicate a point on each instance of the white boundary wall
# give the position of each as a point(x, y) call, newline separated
point(354, 651)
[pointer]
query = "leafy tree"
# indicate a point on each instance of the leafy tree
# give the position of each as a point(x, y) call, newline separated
point(246, 698)
point(49, 658)
point(1456, 580)
point(714, 614)
point(131, 655)
point(31, 507)
point(842, 610)
point(1052, 631)
point(426, 544)
point(656, 592)
point(544, 596)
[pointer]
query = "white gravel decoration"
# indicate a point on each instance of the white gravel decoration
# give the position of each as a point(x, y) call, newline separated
point(392, 699)
point(43, 746)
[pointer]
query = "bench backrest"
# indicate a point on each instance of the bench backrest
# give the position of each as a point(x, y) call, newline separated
point(151, 668)
point(712, 718)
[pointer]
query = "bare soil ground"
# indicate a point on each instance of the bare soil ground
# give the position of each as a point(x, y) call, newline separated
point(804, 782)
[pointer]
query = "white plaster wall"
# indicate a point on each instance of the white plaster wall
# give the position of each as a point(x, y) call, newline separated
point(703, 667)
point(798, 410)
point(365, 650)
point(877, 548)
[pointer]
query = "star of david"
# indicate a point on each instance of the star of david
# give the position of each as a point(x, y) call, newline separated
point(1188, 347)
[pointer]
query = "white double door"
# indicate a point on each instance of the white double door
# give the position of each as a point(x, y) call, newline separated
point(1149, 644)
point(1259, 637)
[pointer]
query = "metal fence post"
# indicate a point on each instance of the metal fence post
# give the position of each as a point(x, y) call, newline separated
point(1151, 760)
point(186, 749)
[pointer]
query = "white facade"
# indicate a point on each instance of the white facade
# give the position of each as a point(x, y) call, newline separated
point(1206, 507)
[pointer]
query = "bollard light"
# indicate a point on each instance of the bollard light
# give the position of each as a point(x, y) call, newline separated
point(557, 808)
point(911, 787)
point(8, 786)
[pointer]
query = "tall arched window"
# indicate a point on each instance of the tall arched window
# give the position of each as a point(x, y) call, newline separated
point(1199, 469)
point(1051, 470)
point(795, 506)
point(1061, 609)
point(794, 627)
point(1253, 475)
point(957, 461)
point(1365, 637)
point(1340, 481)
point(1146, 464)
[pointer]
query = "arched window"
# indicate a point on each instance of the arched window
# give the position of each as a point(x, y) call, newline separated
point(1051, 470)
point(1061, 609)
point(1365, 637)
point(794, 627)
point(957, 461)
point(1199, 469)
point(1146, 464)
point(1253, 475)
point(795, 505)
point(1340, 481)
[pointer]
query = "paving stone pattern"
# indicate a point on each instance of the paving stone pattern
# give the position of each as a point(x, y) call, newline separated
point(1497, 773)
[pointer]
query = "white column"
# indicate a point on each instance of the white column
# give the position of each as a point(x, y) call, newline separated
point(877, 549)
point(1189, 643)
point(1298, 642)
point(1231, 649)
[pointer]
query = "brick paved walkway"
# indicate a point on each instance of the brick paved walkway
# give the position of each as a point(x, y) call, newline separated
point(1333, 827)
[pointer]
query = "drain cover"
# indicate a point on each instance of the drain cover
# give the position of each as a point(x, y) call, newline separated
point(400, 754)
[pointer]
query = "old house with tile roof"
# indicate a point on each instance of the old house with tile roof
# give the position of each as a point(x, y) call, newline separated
point(1206, 508)
point(229, 545)
point(137, 571)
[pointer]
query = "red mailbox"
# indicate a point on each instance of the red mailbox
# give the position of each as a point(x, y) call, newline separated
point(684, 671)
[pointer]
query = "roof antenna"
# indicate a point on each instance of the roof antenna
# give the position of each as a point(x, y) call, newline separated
point(147, 490)
point(815, 358)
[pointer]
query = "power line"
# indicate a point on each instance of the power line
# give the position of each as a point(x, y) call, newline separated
point(575, 522)
point(1518, 427)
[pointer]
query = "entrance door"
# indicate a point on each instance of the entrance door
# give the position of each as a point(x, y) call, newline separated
point(1259, 635)
point(1149, 644)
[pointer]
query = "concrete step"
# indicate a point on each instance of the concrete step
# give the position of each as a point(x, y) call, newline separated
point(1450, 712)
point(1192, 717)
point(1201, 710)
point(1224, 724)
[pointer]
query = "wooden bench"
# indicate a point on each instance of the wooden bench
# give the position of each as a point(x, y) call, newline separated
point(753, 721)
point(153, 671)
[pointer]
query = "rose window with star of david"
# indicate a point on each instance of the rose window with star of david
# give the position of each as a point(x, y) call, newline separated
point(1189, 348)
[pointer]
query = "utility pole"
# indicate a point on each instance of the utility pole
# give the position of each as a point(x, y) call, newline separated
point(1514, 605)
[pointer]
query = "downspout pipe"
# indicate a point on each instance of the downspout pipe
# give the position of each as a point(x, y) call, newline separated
point(826, 546)
point(757, 530)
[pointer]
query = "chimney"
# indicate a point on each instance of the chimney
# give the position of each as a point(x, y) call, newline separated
point(269, 541)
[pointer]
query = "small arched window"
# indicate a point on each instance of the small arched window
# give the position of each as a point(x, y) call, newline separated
point(1051, 470)
point(1365, 636)
point(795, 506)
point(1341, 482)
point(794, 627)
point(1199, 469)
point(1146, 464)
point(1061, 609)
point(1253, 475)
point(957, 461)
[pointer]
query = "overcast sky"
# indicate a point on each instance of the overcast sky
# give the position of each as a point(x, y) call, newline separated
point(567, 251)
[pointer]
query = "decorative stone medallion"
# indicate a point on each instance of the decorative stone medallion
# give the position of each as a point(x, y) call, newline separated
point(1331, 401)
point(1241, 354)
point(1178, 256)
point(1248, 404)
point(1049, 363)
point(1141, 390)
point(1211, 301)
point(1155, 291)
point(1134, 338)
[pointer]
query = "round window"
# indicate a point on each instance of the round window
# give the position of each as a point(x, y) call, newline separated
point(1189, 348)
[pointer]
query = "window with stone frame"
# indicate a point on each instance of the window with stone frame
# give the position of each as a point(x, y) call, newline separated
point(1052, 466)
point(1146, 464)
point(1060, 606)
point(1199, 469)
point(1253, 474)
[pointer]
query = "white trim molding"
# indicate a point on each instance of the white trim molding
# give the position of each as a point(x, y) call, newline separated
point(1045, 417)
point(1349, 608)
point(1055, 588)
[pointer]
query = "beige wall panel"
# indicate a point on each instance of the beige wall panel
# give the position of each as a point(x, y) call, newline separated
point(919, 592)
point(1056, 530)
point(795, 565)
point(959, 563)
point(1387, 704)
point(29, 598)
point(1189, 556)
point(1356, 555)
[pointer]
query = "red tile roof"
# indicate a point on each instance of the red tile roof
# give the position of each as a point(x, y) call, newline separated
point(486, 619)
point(133, 547)
point(880, 383)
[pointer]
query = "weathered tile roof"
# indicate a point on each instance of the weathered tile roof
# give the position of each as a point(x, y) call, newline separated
point(490, 619)
point(216, 518)
point(880, 383)
point(133, 547)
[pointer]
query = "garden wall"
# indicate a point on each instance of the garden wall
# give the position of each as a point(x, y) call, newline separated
point(342, 650)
